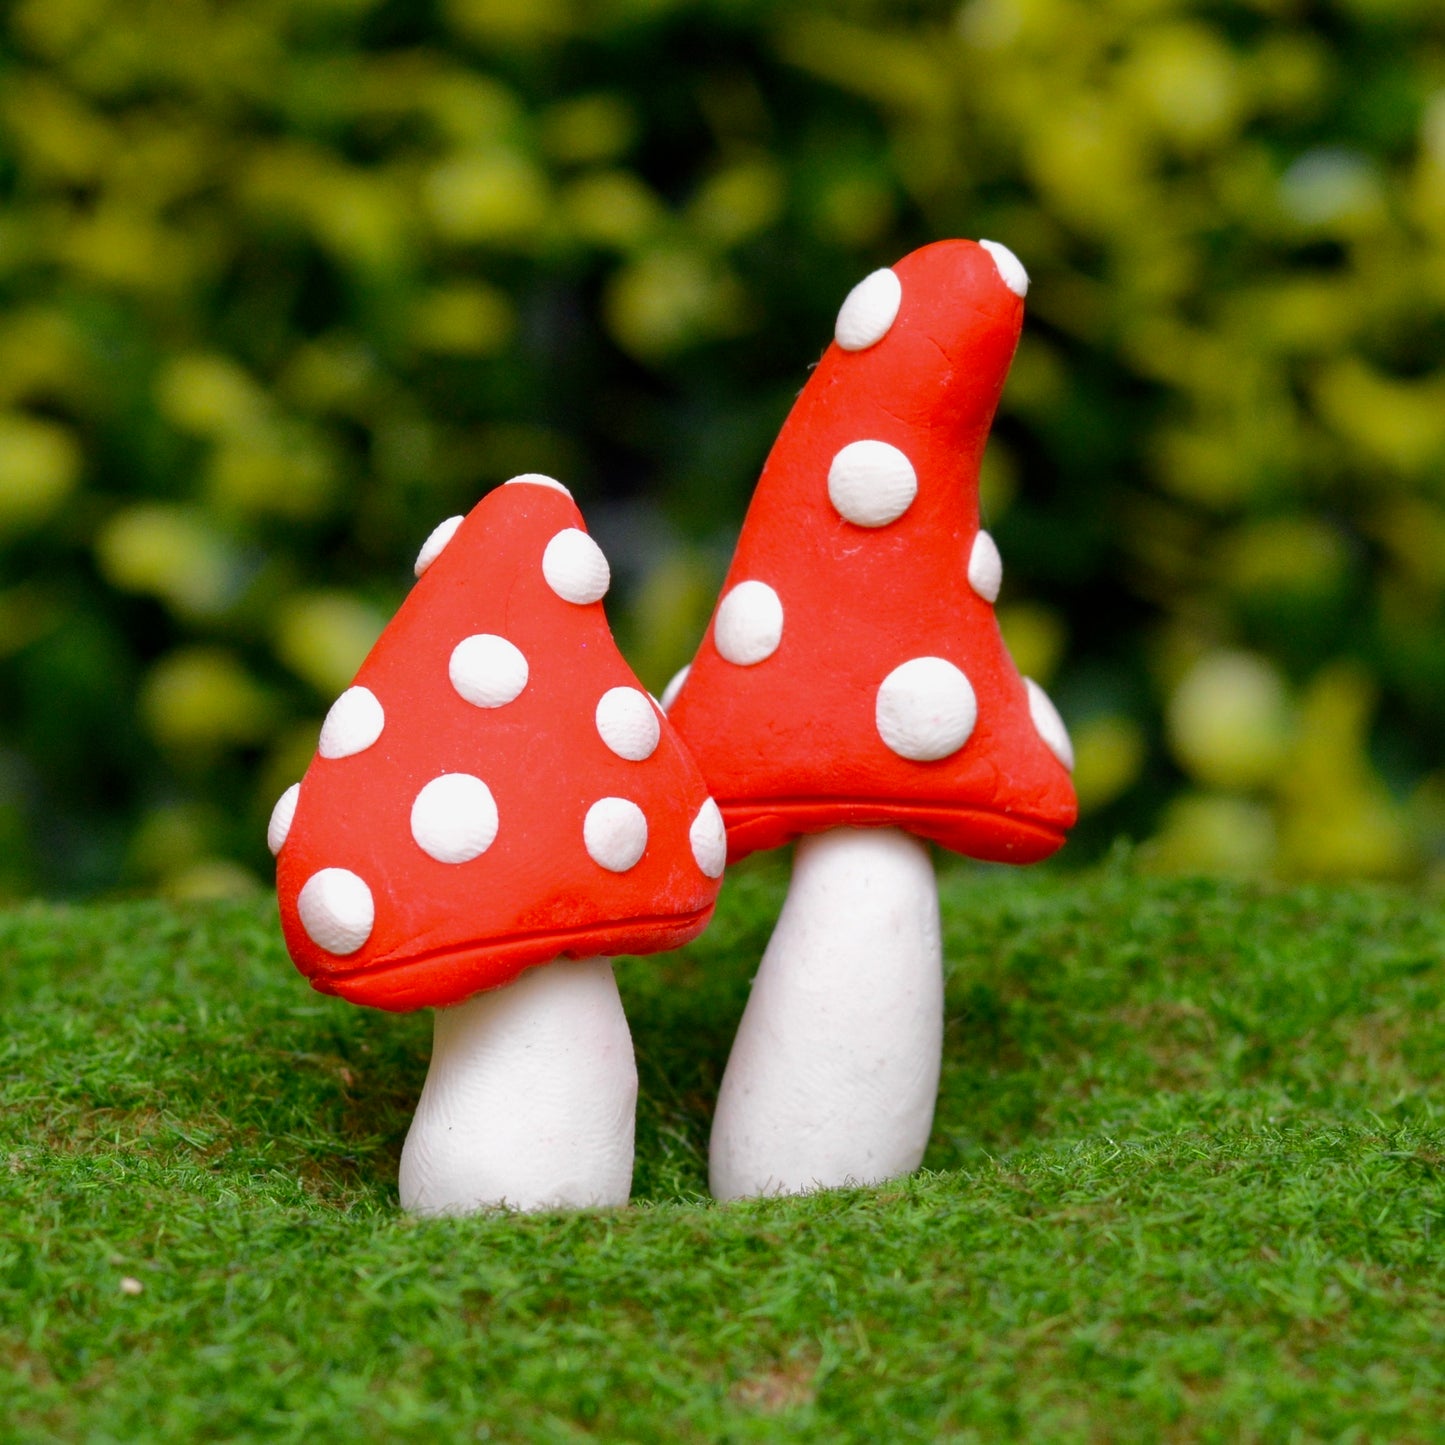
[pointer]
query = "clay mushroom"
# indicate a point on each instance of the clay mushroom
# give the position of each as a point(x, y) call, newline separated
point(495, 808)
point(853, 691)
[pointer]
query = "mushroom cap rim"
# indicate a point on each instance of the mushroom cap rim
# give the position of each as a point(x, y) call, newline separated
point(990, 835)
point(441, 977)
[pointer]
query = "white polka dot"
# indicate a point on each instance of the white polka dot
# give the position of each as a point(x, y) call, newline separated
point(432, 548)
point(709, 839)
point(1049, 725)
point(487, 670)
point(575, 568)
point(536, 479)
point(871, 483)
point(868, 311)
point(454, 818)
point(749, 624)
point(336, 910)
point(1009, 267)
point(615, 833)
point(627, 722)
point(679, 681)
point(282, 816)
point(353, 724)
point(926, 709)
point(985, 567)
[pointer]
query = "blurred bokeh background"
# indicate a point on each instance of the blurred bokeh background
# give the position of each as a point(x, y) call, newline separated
point(285, 282)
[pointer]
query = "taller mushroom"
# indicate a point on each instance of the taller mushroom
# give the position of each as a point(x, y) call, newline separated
point(853, 691)
point(496, 802)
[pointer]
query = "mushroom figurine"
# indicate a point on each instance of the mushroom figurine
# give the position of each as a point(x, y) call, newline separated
point(853, 692)
point(495, 808)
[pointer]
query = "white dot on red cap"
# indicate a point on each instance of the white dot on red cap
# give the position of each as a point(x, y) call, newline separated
point(627, 722)
point(749, 624)
point(926, 709)
point(353, 724)
point(615, 833)
point(536, 479)
point(336, 910)
point(454, 818)
point(871, 483)
point(575, 568)
point(1009, 267)
point(1049, 725)
point(487, 670)
point(675, 686)
point(432, 548)
point(282, 816)
point(709, 839)
point(985, 567)
point(867, 312)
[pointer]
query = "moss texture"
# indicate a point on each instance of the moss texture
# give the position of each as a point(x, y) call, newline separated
point(1186, 1181)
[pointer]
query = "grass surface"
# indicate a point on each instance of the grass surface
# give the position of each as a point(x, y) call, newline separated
point(1186, 1184)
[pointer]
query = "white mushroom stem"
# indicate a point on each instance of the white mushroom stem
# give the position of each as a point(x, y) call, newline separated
point(531, 1098)
point(833, 1075)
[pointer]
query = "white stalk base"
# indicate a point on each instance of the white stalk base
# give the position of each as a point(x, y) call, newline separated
point(833, 1075)
point(530, 1101)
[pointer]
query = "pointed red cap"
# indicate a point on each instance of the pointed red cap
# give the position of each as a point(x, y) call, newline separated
point(496, 789)
point(853, 673)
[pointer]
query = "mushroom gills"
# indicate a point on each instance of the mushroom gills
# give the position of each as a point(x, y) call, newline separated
point(530, 1099)
point(833, 1076)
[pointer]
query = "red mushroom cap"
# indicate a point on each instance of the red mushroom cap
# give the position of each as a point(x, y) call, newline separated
point(853, 673)
point(495, 790)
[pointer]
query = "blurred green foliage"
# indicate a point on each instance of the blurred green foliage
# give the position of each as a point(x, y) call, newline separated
point(284, 282)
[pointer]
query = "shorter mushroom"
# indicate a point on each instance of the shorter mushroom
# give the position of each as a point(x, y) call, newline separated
point(854, 693)
point(496, 807)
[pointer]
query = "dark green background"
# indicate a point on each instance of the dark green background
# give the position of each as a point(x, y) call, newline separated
point(285, 282)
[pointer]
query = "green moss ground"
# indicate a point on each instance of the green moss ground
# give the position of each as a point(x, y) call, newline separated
point(1187, 1183)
